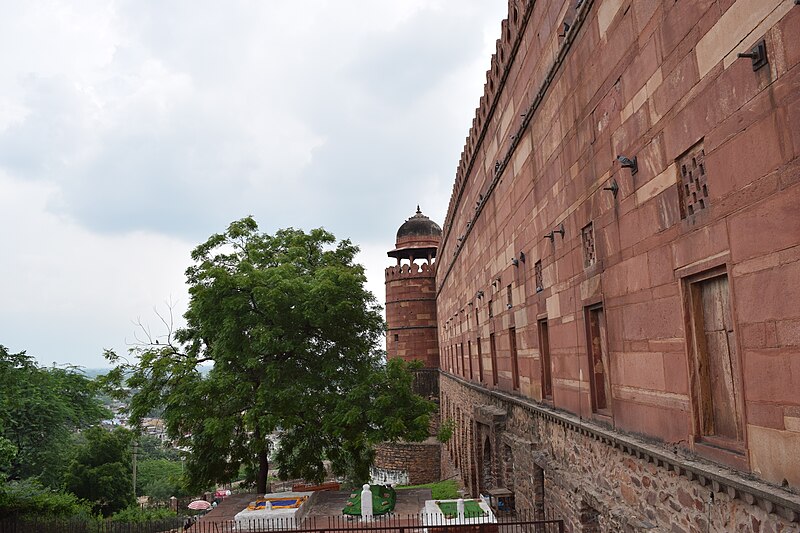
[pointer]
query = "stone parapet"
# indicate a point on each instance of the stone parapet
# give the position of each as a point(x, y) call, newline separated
point(413, 270)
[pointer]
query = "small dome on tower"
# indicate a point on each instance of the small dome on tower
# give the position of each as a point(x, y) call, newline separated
point(419, 226)
point(418, 237)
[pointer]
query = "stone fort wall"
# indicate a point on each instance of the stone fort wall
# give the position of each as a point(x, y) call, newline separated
point(596, 479)
point(658, 302)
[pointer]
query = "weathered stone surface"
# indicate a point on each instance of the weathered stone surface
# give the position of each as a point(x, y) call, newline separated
point(620, 277)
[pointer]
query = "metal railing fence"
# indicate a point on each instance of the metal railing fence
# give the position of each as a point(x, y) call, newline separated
point(418, 523)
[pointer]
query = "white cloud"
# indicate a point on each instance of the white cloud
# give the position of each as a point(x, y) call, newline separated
point(67, 292)
point(132, 130)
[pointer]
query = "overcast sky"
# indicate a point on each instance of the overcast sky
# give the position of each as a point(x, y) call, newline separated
point(130, 131)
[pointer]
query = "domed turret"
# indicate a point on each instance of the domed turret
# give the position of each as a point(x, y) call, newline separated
point(410, 293)
point(419, 226)
point(418, 237)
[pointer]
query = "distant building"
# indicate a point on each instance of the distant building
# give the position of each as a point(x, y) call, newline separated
point(155, 428)
point(618, 280)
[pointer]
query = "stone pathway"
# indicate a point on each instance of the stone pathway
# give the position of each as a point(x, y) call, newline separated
point(326, 508)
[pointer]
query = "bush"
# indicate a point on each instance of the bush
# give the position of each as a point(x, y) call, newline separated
point(160, 479)
point(28, 498)
point(135, 515)
point(446, 430)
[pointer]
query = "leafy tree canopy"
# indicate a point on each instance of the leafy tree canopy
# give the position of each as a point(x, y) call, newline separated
point(151, 447)
point(159, 479)
point(39, 409)
point(101, 472)
point(292, 334)
point(29, 498)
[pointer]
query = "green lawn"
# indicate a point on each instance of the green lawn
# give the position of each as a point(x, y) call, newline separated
point(472, 509)
point(441, 490)
point(383, 501)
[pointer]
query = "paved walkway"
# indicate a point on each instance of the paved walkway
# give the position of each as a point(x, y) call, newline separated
point(326, 508)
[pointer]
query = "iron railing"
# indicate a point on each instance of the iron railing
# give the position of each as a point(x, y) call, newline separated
point(328, 524)
point(50, 525)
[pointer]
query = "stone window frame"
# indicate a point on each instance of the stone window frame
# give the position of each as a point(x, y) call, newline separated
point(513, 352)
point(726, 450)
point(493, 355)
point(545, 360)
point(469, 357)
point(480, 359)
point(607, 410)
point(589, 245)
point(538, 274)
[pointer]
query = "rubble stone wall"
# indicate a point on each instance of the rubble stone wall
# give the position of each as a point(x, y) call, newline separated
point(420, 460)
point(559, 466)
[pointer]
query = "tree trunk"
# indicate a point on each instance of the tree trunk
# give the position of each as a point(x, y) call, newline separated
point(263, 472)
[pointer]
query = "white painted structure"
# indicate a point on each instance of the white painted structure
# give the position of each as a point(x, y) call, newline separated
point(366, 502)
point(432, 515)
point(270, 518)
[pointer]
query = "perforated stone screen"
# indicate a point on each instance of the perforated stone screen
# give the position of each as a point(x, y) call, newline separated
point(693, 184)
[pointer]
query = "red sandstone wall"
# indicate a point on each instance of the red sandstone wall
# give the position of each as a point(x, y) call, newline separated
point(647, 79)
point(411, 314)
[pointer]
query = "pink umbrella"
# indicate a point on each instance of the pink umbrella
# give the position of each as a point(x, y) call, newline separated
point(200, 505)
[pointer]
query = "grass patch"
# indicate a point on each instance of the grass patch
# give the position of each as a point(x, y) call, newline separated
point(472, 509)
point(383, 501)
point(441, 490)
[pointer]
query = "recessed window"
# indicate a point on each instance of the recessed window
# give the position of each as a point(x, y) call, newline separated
point(715, 362)
point(493, 354)
point(469, 355)
point(537, 273)
point(544, 359)
point(599, 364)
point(509, 297)
point(480, 359)
point(512, 339)
point(587, 238)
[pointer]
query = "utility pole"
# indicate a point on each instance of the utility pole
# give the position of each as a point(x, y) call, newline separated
point(135, 453)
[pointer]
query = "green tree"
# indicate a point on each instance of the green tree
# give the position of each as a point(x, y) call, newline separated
point(101, 472)
point(39, 409)
point(292, 334)
point(28, 497)
point(151, 447)
point(7, 453)
point(159, 478)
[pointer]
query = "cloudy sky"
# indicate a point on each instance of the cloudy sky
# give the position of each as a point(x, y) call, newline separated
point(130, 131)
